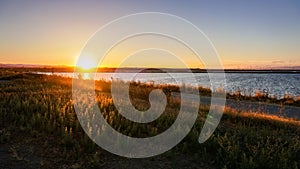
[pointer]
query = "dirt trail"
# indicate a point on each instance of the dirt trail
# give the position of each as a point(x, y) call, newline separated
point(251, 106)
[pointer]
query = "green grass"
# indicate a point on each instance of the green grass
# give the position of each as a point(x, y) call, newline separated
point(39, 107)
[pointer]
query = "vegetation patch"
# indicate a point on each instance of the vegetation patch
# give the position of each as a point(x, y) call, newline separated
point(39, 127)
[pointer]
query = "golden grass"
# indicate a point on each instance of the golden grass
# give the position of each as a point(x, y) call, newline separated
point(43, 105)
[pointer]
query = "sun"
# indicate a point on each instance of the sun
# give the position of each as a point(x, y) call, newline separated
point(86, 63)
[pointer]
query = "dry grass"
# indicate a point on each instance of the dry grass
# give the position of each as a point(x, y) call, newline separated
point(41, 107)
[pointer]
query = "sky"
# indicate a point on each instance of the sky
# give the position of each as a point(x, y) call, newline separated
point(246, 34)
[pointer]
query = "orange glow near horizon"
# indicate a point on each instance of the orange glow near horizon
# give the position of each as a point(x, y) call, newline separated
point(246, 35)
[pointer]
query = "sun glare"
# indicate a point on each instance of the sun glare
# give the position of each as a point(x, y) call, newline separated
point(86, 63)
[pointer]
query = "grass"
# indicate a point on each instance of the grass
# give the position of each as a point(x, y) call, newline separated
point(37, 112)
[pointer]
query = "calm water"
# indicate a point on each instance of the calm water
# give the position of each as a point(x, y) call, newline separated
point(248, 83)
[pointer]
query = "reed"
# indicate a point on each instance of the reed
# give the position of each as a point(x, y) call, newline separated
point(42, 107)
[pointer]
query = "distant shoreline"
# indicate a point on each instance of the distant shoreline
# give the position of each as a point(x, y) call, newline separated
point(146, 70)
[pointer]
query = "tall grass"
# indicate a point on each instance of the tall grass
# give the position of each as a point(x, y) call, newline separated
point(41, 106)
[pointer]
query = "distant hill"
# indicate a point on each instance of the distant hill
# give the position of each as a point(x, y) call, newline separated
point(29, 66)
point(62, 68)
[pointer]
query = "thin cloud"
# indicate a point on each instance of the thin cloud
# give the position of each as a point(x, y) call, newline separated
point(278, 61)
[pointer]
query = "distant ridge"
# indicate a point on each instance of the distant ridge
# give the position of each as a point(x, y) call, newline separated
point(3, 65)
point(63, 68)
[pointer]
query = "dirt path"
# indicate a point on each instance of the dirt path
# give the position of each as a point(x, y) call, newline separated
point(260, 107)
point(275, 109)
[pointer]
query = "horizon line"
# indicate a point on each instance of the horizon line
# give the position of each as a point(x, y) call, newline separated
point(46, 66)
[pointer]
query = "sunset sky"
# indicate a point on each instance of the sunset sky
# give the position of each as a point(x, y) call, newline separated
point(246, 34)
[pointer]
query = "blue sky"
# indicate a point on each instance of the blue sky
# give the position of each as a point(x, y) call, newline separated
point(246, 34)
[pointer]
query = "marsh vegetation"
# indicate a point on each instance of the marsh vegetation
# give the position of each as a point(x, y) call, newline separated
point(39, 129)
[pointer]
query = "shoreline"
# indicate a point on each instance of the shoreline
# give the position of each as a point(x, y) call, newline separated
point(58, 69)
point(237, 96)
